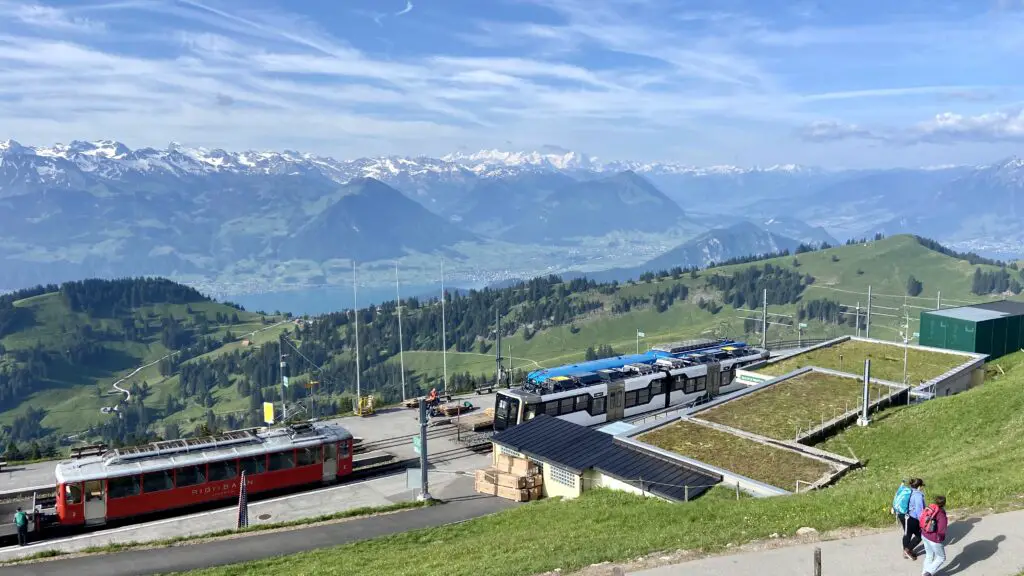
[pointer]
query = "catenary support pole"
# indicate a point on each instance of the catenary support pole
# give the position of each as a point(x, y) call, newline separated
point(764, 320)
point(938, 301)
point(444, 335)
point(401, 348)
point(355, 316)
point(867, 323)
point(284, 382)
point(424, 487)
point(863, 420)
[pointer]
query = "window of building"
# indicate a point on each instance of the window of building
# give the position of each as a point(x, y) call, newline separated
point(73, 494)
point(563, 476)
point(157, 481)
point(125, 486)
point(225, 470)
point(254, 464)
point(282, 461)
point(190, 475)
point(309, 456)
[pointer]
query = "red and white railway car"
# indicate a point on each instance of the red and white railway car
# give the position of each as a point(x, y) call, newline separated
point(173, 474)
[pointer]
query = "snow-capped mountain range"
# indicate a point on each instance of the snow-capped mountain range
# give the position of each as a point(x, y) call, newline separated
point(112, 159)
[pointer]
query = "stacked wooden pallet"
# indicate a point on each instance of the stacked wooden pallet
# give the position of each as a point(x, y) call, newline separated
point(455, 408)
point(515, 479)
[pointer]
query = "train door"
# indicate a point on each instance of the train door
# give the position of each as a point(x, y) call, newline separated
point(616, 400)
point(95, 510)
point(330, 461)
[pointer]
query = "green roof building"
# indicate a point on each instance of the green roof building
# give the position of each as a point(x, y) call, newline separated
point(993, 328)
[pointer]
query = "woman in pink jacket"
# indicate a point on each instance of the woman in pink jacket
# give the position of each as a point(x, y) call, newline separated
point(933, 532)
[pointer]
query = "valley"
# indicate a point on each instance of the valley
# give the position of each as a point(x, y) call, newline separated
point(223, 372)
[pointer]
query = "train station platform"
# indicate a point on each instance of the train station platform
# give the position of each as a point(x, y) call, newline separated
point(388, 425)
point(449, 478)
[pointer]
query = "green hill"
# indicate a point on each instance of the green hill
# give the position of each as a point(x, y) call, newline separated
point(85, 348)
point(63, 347)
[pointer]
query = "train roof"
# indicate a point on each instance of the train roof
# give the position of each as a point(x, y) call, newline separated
point(659, 351)
point(192, 451)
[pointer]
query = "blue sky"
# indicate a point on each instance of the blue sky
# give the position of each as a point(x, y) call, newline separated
point(841, 83)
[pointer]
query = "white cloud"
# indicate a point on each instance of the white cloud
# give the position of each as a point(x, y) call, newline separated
point(221, 74)
point(406, 10)
point(950, 128)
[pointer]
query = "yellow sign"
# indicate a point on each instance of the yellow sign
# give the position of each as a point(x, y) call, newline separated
point(268, 412)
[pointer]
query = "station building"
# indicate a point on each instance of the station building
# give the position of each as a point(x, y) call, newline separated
point(575, 458)
point(992, 328)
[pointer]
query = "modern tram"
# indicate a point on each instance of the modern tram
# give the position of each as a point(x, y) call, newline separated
point(610, 394)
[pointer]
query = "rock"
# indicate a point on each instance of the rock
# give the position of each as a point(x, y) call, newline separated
point(665, 558)
point(774, 535)
point(729, 545)
point(806, 530)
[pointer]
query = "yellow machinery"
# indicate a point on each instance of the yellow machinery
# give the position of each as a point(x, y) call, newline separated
point(365, 407)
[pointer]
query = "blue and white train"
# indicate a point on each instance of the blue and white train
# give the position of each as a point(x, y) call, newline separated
point(589, 398)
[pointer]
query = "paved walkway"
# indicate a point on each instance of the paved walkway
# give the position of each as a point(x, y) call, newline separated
point(987, 546)
point(260, 546)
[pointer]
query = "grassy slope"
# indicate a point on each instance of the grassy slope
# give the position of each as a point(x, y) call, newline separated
point(971, 455)
point(70, 396)
point(885, 264)
point(798, 403)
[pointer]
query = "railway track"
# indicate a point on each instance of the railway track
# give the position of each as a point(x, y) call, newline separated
point(397, 441)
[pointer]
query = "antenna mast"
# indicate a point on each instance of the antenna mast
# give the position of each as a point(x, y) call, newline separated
point(401, 352)
point(355, 316)
point(444, 337)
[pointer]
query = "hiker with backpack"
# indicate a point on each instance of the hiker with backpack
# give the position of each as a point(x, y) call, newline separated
point(901, 504)
point(933, 528)
point(912, 526)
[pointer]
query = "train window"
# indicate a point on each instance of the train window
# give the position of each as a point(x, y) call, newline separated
point(531, 412)
point(282, 461)
point(597, 406)
point(551, 407)
point(583, 402)
point(691, 385)
point(643, 396)
point(681, 383)
point(309, 456)
point(93, 490)
point(343, 449)
point(330, 451)
point(72, 494)
point(565, 406)
point(657, 387)
point(631, 399)
point(190, 475)
point(157, 481)
point(254, 464)
point(223, 470)
point(125, 486)
point(702, 382)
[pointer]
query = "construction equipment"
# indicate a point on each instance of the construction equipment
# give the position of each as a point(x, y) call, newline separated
point(365, 406)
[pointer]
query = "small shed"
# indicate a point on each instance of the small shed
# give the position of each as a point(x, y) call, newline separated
point(575, 458)
point(992, 328)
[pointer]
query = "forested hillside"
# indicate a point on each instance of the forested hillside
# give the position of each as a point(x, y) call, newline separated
point(210, 365)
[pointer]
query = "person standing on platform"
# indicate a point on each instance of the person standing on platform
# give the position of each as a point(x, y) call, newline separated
point(21, 522)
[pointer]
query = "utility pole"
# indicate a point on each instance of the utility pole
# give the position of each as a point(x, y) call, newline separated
point(497, 346)
point(355, 316)
point(863, 420)
point(867, 325)
point(284, 380)
point(401, 351)
point(938, 301)
point(511, 368)
point(444, 337)
point(424, 487)
point(858, 320)
point(764, 320)
point(906, 339)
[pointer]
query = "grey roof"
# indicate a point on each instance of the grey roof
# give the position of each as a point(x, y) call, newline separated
point(1010, 307)
point(161, 456)
point(579, 448)
point(968, 313)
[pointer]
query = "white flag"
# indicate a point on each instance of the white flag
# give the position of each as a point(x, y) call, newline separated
point(641, 334)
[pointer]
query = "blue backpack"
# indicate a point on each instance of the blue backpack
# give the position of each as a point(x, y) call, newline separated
point(901, 502)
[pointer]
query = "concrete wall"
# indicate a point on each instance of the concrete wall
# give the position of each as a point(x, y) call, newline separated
point(595, 479)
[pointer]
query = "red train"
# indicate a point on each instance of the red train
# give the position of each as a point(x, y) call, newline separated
point(173, 474)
